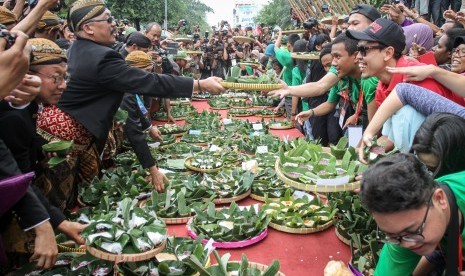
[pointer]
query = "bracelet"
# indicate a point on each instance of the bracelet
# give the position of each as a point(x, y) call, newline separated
point(148, 130)
point(313, 112)
point(416, 18)
point(198, 83)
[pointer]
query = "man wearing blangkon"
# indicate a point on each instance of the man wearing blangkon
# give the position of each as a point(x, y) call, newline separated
point(99, 76)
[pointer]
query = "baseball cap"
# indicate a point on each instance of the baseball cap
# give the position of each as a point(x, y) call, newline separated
point(367, 10)
point(384, 31)
point(459, 40)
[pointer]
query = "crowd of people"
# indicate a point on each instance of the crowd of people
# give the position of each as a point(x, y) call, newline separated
point(399, 77)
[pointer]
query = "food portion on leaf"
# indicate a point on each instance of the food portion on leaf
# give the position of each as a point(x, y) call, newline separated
point(131, 230)
point(229, 224)
point(298, 212)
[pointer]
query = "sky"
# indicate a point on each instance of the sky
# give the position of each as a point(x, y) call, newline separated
point(223, 9)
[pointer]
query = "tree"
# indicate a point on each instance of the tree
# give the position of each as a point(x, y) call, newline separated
point(276, 12)
point(145, 11)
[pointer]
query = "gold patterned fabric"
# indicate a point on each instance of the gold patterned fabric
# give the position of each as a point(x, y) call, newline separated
point(83, 10)
point(139, 59)
point(45, 52)
point(49, 21)
point(7, 16)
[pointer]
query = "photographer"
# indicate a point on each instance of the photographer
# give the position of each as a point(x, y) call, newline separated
point(232, 54)
point(311, 29)
point(219, 64)
point(136, 42)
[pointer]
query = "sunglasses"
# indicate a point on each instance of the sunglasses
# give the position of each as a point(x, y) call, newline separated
point(363, 50)
point(109, 20)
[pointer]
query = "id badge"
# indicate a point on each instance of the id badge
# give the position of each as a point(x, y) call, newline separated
point(342, 115)
point(233, 62)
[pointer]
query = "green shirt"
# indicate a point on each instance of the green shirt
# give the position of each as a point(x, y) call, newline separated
point(284, 57)
point(368, 87)
point(396, 260)
point(297, 79)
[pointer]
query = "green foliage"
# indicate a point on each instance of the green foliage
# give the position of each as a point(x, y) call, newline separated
point(276, 12)
point(146, 11)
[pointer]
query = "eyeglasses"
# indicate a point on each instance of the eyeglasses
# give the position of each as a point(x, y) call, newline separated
point(459, 51)
point(109, 20)
point(57, 79)
point(363, 50)
point(414, 237)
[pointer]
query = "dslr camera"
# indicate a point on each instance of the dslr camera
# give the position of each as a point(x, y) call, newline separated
point(183, 22)
point(310, 23)
point(325, 8)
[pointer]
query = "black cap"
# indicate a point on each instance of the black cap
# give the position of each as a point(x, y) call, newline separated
point(459, 40)
point(384, 31)
point(367, 10)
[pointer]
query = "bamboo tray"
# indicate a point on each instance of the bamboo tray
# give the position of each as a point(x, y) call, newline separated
point(232, 199)
point(184, 39)
point(305, 56)
point(240, 107)
point(220, 108)
point(66, 247)
point(262, 198)
point(329, 20)
point(301, 231)
point(182, 220)
point(342, 239)
point(296, 31)
point(173, 103)
point(166, 119)
point(313, 187)
point(275, 127)
point(252, 86)
point(188, 165)
point(260, 267)
point(243, 39)
point(196, 99)
point(241, 115)
point(126, 257)
point(237, 244)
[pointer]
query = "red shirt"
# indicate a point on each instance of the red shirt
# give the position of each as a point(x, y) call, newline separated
point(382, 90)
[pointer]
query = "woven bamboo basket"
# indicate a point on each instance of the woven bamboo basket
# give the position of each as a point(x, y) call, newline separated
point(262, 198)
point(188, 165)
point(243, 39)
point(220, 108)
point(231, 199)
point(313, 187)
point(166, 119)
point(305, 56)
point(181, 102)
point(241, 115)
point(184, 39)
point(302, 231)
point(229, 245)
point(329, 20)
point(342, 238)
point(251, 86)
point(296, 31)
point(276, 127)
point(67, 247)
point(261, 267)
point(126, 257)
point(176, 220)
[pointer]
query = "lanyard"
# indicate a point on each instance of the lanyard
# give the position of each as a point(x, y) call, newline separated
point(359, 106)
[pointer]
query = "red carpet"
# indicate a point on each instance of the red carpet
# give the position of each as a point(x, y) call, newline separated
point(299, 255)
